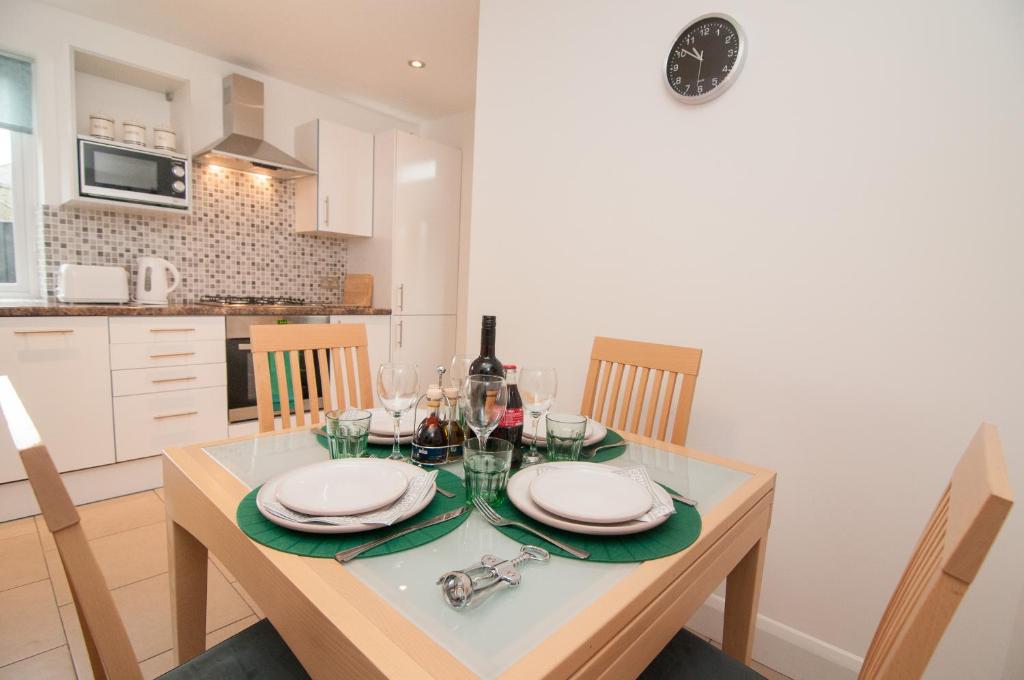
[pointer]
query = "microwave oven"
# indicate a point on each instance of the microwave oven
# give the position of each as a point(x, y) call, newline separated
point(123, 172)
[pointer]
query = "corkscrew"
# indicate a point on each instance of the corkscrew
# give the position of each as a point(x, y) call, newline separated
point(469, 587)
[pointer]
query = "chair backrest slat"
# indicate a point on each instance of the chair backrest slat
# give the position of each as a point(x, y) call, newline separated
point(944, 563)
point(316, 346)
point(106, 640)
point(621, 391)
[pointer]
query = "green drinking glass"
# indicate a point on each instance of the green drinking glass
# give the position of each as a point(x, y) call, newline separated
point(565, 436)
point(486, 467)
point(348, 432)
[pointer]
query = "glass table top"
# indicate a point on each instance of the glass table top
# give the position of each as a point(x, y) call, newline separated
point(492, 637)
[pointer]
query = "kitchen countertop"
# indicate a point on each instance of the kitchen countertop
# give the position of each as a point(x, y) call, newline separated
point(16, 308)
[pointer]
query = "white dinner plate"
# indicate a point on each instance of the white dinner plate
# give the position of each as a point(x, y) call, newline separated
point(269, 490)
point(383, 423)
point(348, 486)
point(590, 494)
point(594, 434)
point(518, 491)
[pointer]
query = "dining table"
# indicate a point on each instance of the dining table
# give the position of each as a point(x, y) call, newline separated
point(386, 617)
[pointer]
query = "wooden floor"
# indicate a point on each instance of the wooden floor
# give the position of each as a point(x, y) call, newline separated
point(39, 634)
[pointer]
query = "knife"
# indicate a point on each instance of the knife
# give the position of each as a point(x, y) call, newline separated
point(346, 555)
point(319, 431)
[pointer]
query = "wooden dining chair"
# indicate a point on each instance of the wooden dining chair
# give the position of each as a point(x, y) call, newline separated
point(666, 375)
point(943, 565)
point(325, 349)
point(256, 652)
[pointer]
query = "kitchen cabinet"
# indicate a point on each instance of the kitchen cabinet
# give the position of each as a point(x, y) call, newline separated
point(414, 252)
point(169, 379)
point(426, 340)
point(339, 198)
point(61, 369)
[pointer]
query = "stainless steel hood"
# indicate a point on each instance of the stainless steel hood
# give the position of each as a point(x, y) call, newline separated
point(242, 147)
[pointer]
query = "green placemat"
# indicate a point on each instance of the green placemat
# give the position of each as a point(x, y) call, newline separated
point(602, 456)
point(260, 529)
point(677, 533)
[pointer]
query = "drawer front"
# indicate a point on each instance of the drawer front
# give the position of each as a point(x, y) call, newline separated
point(163, 354)
point(149, 329)
point(60, 368)
point(153, 380)
point(145, 424)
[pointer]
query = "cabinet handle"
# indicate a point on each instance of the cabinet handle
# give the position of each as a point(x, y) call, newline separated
point(244, 347)
point(176, 415)
point(160, 381)
point(327, 211)
point(172, 330)
point(54, 331)
point(401, 332)
point(171, 355)
point(401, 297)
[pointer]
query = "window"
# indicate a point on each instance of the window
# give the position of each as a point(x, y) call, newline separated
point(18, 267)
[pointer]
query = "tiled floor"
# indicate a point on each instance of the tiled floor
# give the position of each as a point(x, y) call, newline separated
point(39, 633)
point(40, 638)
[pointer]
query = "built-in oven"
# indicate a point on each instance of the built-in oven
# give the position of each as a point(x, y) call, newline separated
point(241, 376)
point(124, 172)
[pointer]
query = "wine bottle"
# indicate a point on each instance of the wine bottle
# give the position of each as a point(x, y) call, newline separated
point(511, 427)
point(487, 363)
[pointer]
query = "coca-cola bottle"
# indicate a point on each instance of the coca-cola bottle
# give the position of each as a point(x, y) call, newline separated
point(511, 427)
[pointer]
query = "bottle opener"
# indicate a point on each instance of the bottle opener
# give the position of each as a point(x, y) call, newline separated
point(468, 588)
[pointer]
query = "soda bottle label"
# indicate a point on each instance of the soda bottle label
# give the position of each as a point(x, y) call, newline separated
point(513, 417)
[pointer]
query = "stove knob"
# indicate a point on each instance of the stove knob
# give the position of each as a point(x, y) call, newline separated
point(178, 187)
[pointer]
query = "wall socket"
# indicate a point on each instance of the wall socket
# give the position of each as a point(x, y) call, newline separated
point(330, 282)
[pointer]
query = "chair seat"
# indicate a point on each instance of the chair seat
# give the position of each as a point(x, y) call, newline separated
point(257, 652)
point(688, 657)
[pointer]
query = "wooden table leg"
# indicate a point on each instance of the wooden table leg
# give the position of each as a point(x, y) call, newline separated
point(742, 590)
point(187, 562)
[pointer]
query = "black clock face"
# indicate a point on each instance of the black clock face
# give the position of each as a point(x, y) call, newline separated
point(703, 58)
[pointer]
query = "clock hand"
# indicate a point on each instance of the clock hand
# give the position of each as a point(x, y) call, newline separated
point(692, 54)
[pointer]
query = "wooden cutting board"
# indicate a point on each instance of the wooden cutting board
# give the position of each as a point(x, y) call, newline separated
point(358, 290)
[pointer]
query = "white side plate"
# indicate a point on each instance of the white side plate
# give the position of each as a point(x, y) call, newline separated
point(342, 487)
point(590, 494)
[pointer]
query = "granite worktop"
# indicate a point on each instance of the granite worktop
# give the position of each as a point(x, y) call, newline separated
point(182, 309)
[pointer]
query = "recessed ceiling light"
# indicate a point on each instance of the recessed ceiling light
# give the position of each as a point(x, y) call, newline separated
point(416, 63)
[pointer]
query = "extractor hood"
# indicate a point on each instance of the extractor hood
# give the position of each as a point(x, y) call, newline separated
point(242, 147)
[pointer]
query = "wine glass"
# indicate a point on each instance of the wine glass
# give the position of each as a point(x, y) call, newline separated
point(398, 388)
point(538, 387)
point(485, 397)
point(459, 371)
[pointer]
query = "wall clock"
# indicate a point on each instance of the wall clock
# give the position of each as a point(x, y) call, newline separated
point(706, 58)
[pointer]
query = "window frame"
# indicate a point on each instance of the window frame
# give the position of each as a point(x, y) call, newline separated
point(26, 228)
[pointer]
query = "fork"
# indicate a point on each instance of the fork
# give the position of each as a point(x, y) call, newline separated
point(494, 519)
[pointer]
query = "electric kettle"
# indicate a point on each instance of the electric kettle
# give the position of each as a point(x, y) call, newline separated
point(151, 280)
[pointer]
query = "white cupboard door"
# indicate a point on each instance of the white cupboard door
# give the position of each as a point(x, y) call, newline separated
point(427, 341)
point(61, 369)
point(378, 344)
point(428, 184)
point(345, 176)
point(149, 423)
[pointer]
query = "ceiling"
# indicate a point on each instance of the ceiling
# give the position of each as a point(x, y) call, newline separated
point(353, 49)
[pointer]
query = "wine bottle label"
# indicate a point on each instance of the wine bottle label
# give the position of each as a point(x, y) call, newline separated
point(512, 417)
point(429, 455)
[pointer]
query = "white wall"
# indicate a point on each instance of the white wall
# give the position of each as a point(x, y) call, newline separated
point(841, 232)
point(46, 34)
point(457, 130)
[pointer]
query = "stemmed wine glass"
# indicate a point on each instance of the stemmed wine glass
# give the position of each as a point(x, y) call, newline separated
point(398, 388)
point(538, 387)
point(486, 397)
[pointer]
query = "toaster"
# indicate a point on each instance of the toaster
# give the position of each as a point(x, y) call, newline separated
point(87, 283)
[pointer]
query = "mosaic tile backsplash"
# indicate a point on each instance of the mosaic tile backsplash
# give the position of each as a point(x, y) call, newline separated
point(239, 240)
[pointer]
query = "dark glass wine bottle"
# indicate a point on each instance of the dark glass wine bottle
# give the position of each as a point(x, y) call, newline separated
point(487, 363)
